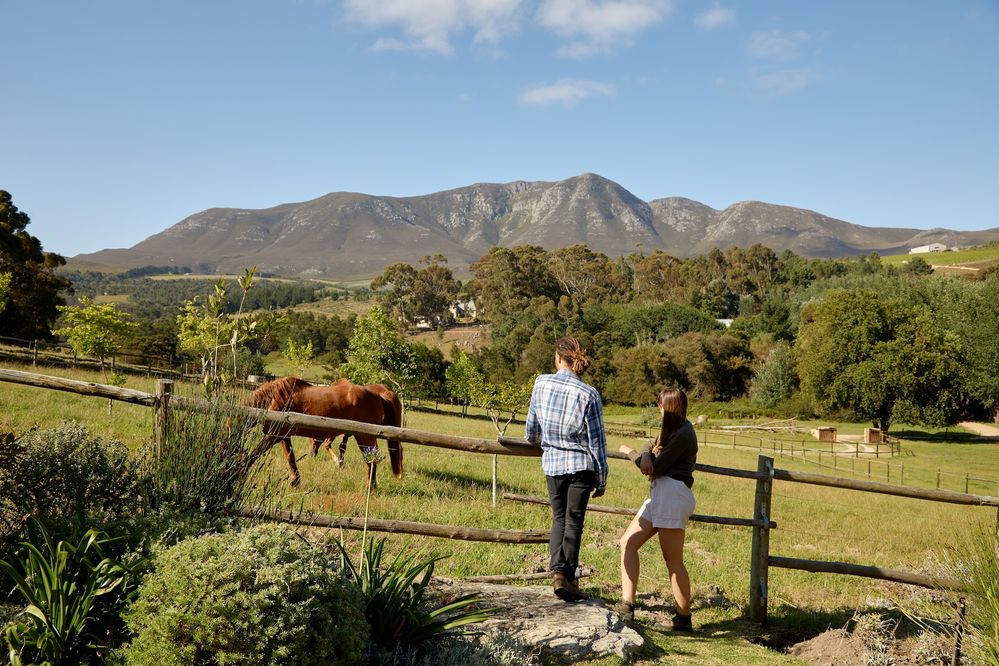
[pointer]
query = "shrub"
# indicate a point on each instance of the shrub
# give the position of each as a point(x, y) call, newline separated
point(73, 595)
point(64, 473)
point(262, 596)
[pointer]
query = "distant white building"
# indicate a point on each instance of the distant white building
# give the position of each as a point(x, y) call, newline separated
point(461, 309)
point(932, 247)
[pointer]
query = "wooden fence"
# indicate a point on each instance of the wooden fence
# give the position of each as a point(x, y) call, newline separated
point(761, 523)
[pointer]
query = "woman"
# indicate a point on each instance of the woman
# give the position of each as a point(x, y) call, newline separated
point(566, 418)
point(669, 463)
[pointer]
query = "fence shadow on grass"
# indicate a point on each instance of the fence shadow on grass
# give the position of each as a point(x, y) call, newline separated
point(467, 482)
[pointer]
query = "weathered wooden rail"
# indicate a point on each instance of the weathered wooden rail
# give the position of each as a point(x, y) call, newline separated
point(761, 523)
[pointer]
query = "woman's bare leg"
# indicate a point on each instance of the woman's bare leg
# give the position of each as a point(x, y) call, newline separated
point(671, 542)
point(639, 531)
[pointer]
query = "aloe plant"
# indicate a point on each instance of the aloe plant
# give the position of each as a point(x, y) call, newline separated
point(72, 594)
point(396, 602)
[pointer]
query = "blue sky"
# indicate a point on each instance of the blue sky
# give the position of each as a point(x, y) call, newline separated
point(121, 118)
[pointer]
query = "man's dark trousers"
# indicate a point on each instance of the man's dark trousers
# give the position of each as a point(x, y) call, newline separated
point(568, 495)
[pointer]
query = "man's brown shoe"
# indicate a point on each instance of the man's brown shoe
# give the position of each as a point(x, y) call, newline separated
point(565, 589)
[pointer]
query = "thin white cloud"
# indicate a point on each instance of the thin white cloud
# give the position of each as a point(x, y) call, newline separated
point(567, 92)
point(776, 45)
point(785, 81)
point(597, 26)
point(714, 18)
point(431, 24)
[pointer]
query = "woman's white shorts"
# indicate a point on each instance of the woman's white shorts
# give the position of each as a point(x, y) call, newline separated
point(670, 504)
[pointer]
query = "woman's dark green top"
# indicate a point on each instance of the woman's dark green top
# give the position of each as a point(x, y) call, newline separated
point(678, 455)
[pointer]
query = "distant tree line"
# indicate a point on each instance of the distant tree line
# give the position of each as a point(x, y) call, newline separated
point(843, 338)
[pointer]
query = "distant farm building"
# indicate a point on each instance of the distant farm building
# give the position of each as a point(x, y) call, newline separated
point(932, 247)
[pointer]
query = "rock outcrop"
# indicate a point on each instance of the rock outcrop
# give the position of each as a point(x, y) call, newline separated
point(534, 616)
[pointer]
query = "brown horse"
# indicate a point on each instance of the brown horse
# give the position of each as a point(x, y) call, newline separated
point(387, 394)
point(342, 400)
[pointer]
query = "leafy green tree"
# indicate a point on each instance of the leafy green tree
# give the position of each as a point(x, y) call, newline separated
point(434, 290)
point(460, 376)
point(971, 311)
point(586, 276)
point(502, 401)
point(640, 373)
point(300, 356)
point(34, 288)
point(395, 289)
point(505, 280)
point(378, 353)
point(411, 294)
point(660, 277)
point(776, 380)
point(213, 335)
point(95, 330)
point(879, 358)
point(918, 266)
point(4, 290)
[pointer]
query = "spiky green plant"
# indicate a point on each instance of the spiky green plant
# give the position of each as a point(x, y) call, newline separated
point(73, 595)
point(397, 605)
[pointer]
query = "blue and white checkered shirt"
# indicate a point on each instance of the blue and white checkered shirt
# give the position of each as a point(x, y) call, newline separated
point(566, 417)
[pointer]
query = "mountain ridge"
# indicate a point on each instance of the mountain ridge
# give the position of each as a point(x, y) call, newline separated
point(349, 235)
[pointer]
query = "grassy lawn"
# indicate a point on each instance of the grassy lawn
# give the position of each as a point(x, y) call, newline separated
point(450, 487)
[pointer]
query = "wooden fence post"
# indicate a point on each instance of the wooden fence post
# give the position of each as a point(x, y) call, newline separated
point(161, 415)
point(759, 569)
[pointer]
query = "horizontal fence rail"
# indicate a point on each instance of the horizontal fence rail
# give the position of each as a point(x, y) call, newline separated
point(397, 526)
point(78, 387)
point(880, 573)
point(621, 511)
point(931, 494)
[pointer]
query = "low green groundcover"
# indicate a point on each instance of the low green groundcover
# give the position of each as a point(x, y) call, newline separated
point(261, 596)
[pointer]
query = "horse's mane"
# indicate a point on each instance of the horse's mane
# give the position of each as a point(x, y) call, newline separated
point(278, 391)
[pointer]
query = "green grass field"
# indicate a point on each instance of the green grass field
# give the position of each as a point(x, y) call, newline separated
point(449, 487)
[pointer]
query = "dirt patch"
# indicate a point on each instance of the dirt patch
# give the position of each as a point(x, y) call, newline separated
point(871, 639)
point(836, 647)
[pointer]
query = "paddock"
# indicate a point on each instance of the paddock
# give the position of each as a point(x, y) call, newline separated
point(759, 519)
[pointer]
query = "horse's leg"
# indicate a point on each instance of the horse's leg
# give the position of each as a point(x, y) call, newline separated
point(343, 450)
point(289, 454)
point(313, 447)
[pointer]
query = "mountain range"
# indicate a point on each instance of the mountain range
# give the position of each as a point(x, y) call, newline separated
point(347, 235)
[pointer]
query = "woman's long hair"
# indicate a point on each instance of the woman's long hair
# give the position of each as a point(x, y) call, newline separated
point(572, 353)
point(673, 402)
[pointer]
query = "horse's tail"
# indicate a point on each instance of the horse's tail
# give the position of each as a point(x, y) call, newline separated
point(393, 417)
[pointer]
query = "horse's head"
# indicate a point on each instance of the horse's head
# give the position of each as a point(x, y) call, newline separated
point(275, 394)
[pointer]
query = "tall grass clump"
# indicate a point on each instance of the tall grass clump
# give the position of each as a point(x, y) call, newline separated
point(206, 463)
point(978, 565)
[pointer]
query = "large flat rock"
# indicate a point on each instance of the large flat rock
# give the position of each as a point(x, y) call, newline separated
point(533, 615)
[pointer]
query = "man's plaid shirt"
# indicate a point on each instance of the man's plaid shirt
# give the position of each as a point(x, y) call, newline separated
point(566, 417)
